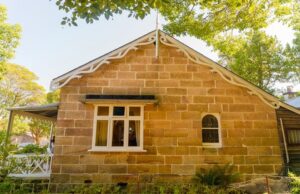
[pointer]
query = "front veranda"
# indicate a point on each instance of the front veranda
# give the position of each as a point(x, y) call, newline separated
point(33, 165)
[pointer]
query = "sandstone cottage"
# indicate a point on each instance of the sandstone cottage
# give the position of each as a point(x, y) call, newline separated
point(156, 109)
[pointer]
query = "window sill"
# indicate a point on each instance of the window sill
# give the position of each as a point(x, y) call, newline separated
point(116, 150)
point(211, 145)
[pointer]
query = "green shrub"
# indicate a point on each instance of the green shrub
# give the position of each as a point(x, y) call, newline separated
point(220, 176)
point(6, 148)
point(295, 183)
point(32, 148)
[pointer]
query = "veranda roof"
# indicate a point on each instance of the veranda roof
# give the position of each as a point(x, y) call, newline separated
point(46, 112)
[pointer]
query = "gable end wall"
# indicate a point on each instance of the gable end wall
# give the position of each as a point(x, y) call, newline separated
point(172, 130)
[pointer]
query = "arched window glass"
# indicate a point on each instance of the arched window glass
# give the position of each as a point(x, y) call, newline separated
point(210, 130)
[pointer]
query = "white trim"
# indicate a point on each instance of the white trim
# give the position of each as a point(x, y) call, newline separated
point(213, 145)
point(126, 118)
point(191, 54)
point(106, 59)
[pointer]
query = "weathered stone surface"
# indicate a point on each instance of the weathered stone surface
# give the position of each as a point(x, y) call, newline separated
point(172, 129)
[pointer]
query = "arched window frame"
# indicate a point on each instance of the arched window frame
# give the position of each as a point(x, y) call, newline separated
point(219, 144)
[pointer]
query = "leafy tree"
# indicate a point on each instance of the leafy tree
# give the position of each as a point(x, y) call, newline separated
point(18, 88)
point(257, 57)
point(203, 19)
point(39, 129)
point(9, 38)
point(6, 148)
point(53, 97)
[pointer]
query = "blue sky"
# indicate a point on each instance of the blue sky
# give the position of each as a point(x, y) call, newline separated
point(49, 49)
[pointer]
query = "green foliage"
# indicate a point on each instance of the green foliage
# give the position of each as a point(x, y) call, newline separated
point(32, 148)
point(158, 188)
point(232, 27)
point(257, 57)
point(295, 183)
point(38, 129)
point(220, 176)
point(9, 186)
point(18, 88)
point(202, 19)
point(53, 97)
point(9, 38)
point(6, 148)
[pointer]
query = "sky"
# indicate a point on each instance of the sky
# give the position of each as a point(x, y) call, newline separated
point(49, 49)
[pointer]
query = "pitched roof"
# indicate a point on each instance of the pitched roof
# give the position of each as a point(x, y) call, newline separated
point(190, 53)
point(294, 102)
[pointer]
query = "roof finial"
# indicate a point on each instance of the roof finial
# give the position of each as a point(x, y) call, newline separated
point(156, 36)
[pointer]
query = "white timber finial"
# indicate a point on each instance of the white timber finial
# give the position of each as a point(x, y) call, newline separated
point(156, 36)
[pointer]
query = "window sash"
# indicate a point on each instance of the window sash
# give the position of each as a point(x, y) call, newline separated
point(214, 144)
point(111, 118)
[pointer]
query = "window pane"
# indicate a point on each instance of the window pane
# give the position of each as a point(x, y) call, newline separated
point(134, 111)
point(103, 110)
point(134, 133)
point(209, 121)
point(118, 133)
point(119, 111)
point(101, 133)
point(210, 136)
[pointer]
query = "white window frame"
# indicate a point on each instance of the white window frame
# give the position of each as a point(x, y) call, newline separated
point(212, 145)
point(110, 118)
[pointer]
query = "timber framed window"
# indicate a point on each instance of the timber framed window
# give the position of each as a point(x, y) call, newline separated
point(211, 132)
point(118, 128)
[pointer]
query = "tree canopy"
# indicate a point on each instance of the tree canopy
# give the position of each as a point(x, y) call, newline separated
point(203, 19)
point(9, 38)
point(18, 88)
point(257, 57)
point(235, 29)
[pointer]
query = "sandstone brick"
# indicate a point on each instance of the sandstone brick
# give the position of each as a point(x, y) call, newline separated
point(101, 178)
point(60, 178)
point(173, 160)
point(176, 91)
point(183, 169)
point(142, 168)
point(72, 168)
point(218, 159)
point(150, 159)
point(248, 169)
point(241, 108)
point(91, 168)
point(82, 141)
point(233, 151)
point(203, 99)
point(166, 150)
point(181, 76)
point(223, 99)
point(147, 75)
point(61, 159)
point(76, 178)
point(78, 132)
point(270, 159)
point(84, 123)
point(113, 169)
point(157, 115)
point(60, 140)
point(190, 115)
point(263, 169)
point(183, 141)
point(92, 159)
point(259, 151)
point(192, 160)
point(188, 83)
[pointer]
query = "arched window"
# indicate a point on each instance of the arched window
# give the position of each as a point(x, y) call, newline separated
point(211, 131)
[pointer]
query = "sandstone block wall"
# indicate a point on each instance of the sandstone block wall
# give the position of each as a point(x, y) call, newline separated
point(172, 129)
